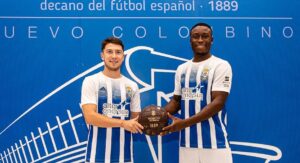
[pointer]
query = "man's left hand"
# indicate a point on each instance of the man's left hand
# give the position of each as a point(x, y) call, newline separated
point(177, 125)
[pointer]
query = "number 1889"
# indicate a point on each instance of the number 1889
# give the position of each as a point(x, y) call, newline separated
point(224, 5)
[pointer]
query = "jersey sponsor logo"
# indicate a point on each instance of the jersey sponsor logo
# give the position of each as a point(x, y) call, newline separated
point(192, 93)
point(112, 110)
point(118, 110)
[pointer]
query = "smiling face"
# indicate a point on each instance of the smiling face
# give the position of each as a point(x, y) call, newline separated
point(201, 40)
point(113, 56)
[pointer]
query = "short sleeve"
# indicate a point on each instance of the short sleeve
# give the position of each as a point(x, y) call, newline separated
point(177, 84)
point(222, 77)
point(135, 105)
point(88, 92)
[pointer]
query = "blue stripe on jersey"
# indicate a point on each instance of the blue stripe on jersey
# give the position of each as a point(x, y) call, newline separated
point(219, 132)
point(115, 145)
point(223, 115)
point(206, 137)
point(115, 142)
point(224, 112)
point(127, 144)
point(221, 141)
point(182, 132)
point(193, 129)
point(102, 97)
point(127, 147)
point(101, 141)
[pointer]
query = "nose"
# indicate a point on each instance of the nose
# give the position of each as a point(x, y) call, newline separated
point(114, 54)
point(200, 39)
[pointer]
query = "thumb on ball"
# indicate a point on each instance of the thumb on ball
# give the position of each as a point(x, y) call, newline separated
point(171, 116)
point(136, 118)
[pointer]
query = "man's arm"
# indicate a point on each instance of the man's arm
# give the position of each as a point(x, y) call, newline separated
point(134, 114)
point(218, 102)
point(174, 105)
point(93, 118)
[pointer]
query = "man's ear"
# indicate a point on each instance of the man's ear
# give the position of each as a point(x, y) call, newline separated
point(101, 55)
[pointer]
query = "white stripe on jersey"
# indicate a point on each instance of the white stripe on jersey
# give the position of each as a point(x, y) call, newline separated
point(109, 129)
point(122, 144)
point(213, 136)
point(198, 109)
point(223, 129)
point(108, 145)
point(122, 132)
point(94, 144)
point(187, 112)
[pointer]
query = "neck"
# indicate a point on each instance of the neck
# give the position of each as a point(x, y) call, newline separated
point(112, 73)
point(201, 57)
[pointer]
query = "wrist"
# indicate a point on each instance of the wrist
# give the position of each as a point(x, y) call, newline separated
point(122, 123)
point(186, 123)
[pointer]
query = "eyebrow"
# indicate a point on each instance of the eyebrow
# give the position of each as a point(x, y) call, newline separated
point(114, 49)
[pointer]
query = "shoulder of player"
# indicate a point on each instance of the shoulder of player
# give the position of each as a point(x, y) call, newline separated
point(93, 77)
point(219, 61)
point(184, 65)
point(130, 82)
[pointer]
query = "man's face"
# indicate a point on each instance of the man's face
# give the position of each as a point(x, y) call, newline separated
point(113, 56)
point(201, 40)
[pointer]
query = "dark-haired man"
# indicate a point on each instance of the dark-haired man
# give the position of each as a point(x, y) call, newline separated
point(201, 89)
point(110, 103)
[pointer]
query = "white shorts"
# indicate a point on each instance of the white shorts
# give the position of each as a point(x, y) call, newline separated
point(198, 155)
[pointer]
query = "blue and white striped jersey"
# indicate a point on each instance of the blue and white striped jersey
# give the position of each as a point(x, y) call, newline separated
point(115, 98)
point(194, 82)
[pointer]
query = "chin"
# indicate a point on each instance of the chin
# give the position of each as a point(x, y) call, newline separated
point(200, 50)
point(113, 68)
point(202, 53)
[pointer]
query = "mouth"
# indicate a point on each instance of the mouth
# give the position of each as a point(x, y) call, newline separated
point(200, 47)
point(113, 61)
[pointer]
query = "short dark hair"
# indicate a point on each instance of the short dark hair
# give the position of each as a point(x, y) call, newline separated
point(201, 24)
point(112, 40)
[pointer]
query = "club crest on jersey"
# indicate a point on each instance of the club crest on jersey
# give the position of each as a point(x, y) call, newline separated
point(204, 74)
point(129, 93)
point(113, 111)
